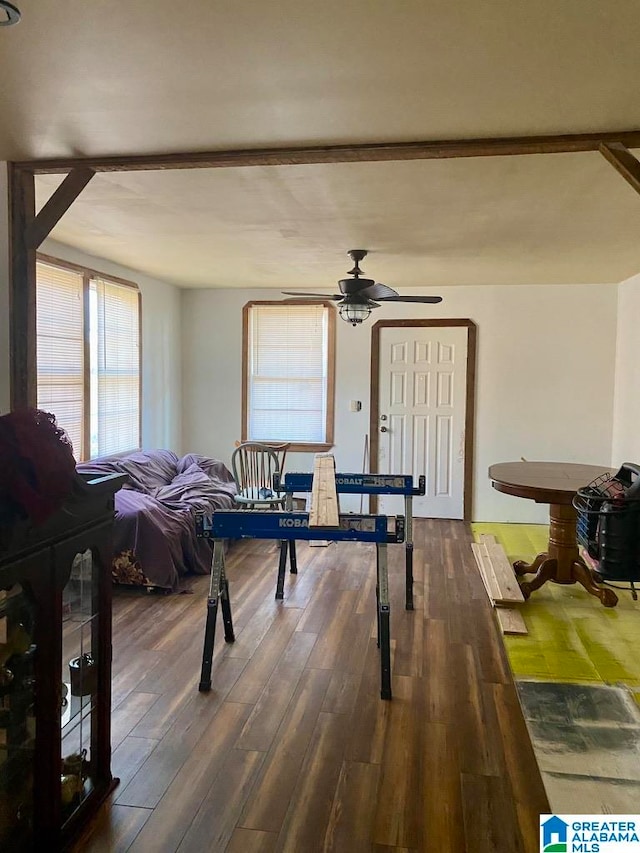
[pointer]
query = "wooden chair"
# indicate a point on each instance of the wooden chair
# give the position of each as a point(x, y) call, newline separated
point(254, 464)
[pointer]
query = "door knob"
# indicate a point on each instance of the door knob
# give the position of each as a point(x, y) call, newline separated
point(383, 429)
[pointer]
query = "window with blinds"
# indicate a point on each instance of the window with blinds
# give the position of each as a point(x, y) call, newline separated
point(60, 329)
point(115, 422)
point(289, 373)
point(88, 357)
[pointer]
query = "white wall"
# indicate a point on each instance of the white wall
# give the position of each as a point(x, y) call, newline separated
point(545, 379)
point(161, 348)
point(4, 292)
point(626, 411)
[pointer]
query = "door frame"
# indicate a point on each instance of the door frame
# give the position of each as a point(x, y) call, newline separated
point(469, 416)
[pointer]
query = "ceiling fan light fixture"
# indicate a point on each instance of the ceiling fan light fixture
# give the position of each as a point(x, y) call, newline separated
point(9, 14)
point(358, 295)
point(354, 312)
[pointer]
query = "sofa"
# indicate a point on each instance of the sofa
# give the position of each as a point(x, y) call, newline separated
point(155, 543)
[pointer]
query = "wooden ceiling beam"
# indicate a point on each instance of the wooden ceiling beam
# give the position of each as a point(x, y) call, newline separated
point(41, 226)
point(359, 153)
point(623, 162)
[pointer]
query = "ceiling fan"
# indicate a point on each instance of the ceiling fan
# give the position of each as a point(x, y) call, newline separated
point(358, 295)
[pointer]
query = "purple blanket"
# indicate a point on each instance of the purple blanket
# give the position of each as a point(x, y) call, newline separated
point(154, 533)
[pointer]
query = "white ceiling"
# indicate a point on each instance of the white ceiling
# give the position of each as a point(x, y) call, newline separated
point(102, 78)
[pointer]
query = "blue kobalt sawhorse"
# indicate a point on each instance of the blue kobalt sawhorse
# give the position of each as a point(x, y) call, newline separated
point(362, 484)
point(268, 524)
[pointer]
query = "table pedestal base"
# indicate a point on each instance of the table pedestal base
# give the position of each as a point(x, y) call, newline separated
point(562, 562)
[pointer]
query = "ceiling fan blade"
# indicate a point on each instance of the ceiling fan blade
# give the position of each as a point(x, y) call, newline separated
point(409, 298)
point(313, 295)
point(378, 291)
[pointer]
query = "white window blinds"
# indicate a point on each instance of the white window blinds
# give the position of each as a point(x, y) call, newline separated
point(287, 377)
point(88, 357)
point(60, 349)
point(116, 368)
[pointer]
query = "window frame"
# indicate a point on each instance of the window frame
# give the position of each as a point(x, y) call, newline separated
point(309, 447)
point(89, 273)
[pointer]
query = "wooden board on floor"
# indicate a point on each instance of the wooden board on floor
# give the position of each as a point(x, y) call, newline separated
point(503, 600)
point(324, 496)
point(503, 571)
point(511, 620)
point(484, 567)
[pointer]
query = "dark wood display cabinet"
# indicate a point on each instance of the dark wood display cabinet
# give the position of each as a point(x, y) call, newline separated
point(55, 668)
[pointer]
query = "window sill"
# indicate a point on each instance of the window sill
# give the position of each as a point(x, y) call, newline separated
point(295, 446)
point(308, 448)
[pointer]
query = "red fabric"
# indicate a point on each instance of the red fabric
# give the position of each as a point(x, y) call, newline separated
point(37, 468)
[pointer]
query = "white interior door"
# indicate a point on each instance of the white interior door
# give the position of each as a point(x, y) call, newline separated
point(421, 417)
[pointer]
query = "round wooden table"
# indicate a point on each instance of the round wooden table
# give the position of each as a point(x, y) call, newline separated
point(553, 483)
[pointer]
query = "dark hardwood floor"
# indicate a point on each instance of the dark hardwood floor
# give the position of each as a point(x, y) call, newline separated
point(293, 750)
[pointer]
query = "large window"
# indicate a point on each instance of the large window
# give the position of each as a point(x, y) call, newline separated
point(88, 338)
point(288, 373)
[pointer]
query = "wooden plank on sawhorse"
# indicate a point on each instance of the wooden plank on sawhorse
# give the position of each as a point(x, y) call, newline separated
point(324, 496)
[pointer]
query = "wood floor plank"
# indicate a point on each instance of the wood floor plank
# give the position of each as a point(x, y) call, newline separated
point(526, 785)
point(309, 810)
point(249, 636)
point(398, 817)
point(177, 682)
point(215, 822)
point(129, 757)
point(490, 821)
point(477, 730)
point(439, 671)
point(511, 621)
point(343, 690)
point(258, 670)
point(370, 717)
point(334, 639)
point(113, 831)
point(148, 786)
point(252, 841)
point(128, 714)
point(440, 786)
point(508, 586)
point(266, 716)
point(128, 671)
point(178, 807)
point(268, 803)
point(321, 607)
point(353, 809)
point(486, 572)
